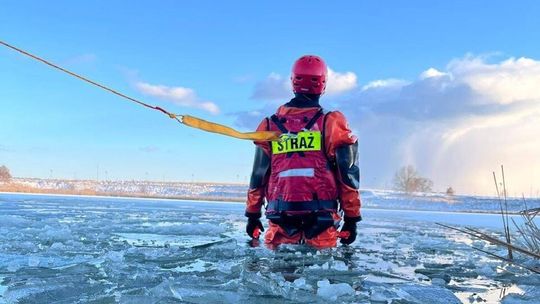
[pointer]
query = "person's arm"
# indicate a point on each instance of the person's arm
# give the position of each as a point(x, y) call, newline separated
point(342, 146)
point(257, 184)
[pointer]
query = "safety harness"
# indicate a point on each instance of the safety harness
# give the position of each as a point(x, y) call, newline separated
point(278, 207)
point(287, 135)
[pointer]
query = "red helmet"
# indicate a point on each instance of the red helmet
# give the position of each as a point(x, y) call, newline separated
point(309, 75)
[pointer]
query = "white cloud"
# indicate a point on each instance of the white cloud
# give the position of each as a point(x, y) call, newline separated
point(385, 83)
point(463, 152)
point(455, 125)
point(338, 83)
point(506, 82)
point(431, 73)
point(273, 87)
point(277, 87)
point(178, 95)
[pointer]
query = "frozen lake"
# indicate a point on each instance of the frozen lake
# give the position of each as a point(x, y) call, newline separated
point(57, 249)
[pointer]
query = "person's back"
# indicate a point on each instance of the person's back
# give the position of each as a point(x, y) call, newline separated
point(311, 174)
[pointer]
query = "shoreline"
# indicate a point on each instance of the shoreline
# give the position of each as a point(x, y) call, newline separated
point(128, 197)
point(17, 180)
point(236, 201)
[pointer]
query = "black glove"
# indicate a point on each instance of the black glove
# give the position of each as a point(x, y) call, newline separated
point(350, 227)
point(253, 224)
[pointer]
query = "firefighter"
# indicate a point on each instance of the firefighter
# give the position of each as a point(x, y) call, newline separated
point(310, 178)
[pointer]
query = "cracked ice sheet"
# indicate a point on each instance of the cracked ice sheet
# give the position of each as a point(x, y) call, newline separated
point(119, 250)
point(3, 288)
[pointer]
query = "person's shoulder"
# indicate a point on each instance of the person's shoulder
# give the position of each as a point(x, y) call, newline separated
point(263, 125)
point(335, 115)
point(336, 122)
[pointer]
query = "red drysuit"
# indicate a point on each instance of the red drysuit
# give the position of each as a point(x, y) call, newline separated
point(300, 187)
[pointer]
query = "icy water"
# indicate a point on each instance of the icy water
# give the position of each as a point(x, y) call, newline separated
point(104, 250)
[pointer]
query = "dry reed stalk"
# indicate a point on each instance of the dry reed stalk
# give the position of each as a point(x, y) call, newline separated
point(492, 240)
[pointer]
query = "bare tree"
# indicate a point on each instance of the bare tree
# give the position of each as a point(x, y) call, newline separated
point(407, 180)
point(5, 175)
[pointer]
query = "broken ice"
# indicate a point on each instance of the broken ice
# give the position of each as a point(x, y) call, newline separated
point(77, 249)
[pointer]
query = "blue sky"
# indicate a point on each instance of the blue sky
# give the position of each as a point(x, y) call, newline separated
point(187, 55)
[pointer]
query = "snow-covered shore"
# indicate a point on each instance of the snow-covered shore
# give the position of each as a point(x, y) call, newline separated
point(371, 198)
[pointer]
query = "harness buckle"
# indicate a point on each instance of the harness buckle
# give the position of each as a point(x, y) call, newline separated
point(286, 136)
